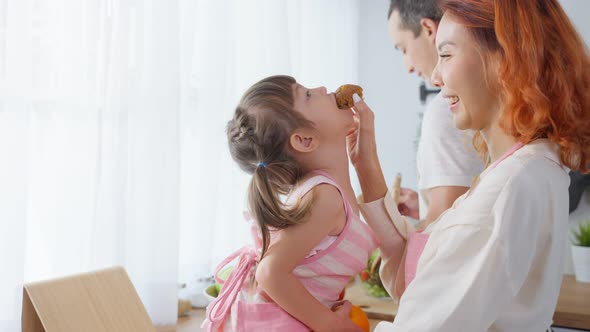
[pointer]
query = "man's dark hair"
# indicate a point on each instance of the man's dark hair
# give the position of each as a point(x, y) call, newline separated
point(412, 11)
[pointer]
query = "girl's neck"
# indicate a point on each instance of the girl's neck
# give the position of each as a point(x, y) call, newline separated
point(334, 161)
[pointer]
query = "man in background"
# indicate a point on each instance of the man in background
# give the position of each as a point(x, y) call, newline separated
point(446, 160)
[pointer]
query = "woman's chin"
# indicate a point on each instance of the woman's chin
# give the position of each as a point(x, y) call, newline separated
point(460, 123)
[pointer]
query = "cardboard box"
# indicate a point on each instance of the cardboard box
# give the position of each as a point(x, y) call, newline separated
point(101, 301)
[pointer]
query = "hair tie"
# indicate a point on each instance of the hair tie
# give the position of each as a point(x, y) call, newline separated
point(263, 164)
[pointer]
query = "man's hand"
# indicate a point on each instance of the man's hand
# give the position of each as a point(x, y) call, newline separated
point(408, 203)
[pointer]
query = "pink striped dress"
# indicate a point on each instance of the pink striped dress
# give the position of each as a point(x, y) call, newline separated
point(242, 306)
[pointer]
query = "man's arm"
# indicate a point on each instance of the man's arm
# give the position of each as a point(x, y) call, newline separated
point(441, 199)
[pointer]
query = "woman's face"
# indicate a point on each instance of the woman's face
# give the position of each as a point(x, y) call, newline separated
point(319, 106)
point(461, 74)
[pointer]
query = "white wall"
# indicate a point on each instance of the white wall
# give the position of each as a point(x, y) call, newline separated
point(579, 13)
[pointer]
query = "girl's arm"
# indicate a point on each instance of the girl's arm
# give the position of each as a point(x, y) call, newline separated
point(275, 271)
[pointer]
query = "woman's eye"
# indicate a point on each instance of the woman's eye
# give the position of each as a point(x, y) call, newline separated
point(444, 55)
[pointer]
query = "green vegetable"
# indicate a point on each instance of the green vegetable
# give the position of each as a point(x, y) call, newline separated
point(223, 275)
point(212, 290)
point(374, 255)
point(582, 234)
point(373, 284)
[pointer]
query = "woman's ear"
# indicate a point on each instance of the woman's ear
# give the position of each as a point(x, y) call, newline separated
point(304, 141)
point(429, 27)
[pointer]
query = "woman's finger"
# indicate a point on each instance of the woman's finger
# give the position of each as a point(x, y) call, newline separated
point(366, 117)
point(352, 131)
point(359, 104)
point(355, 126)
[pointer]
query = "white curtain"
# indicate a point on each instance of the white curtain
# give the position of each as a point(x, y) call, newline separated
point(89, 145)
point(112, 119)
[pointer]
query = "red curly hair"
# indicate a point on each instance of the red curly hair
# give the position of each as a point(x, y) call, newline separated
point(544, 71)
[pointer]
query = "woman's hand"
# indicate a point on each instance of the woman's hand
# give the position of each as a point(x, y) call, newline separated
point(362, 151)
point(343, 322)
point(408, 203)
point(360, 140)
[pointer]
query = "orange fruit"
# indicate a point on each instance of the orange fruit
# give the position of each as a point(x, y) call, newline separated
point(358, 317)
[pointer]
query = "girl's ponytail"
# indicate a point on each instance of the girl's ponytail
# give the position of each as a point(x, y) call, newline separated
point(270, 183)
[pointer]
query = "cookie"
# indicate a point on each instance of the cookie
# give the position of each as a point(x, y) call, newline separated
point(344, 95)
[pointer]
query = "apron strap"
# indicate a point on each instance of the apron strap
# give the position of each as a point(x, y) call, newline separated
point(218, 310)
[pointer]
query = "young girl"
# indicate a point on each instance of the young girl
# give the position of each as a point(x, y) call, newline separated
point(311, 240)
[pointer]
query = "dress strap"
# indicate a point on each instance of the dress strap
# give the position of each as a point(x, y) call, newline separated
point(508, 153)
point(324, 177)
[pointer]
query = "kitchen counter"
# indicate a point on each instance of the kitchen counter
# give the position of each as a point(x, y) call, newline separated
point(573, 307)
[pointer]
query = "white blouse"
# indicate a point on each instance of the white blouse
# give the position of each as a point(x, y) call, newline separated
point(493, 261)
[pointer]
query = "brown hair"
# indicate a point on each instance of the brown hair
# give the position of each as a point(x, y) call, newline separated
point(411, 12)
point(544, 71)
point(258, 133)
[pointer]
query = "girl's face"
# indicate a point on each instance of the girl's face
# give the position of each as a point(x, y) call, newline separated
point(319, 106)
point(461, 74)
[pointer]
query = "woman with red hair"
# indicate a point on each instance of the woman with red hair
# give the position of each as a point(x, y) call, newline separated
point(518, 74)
